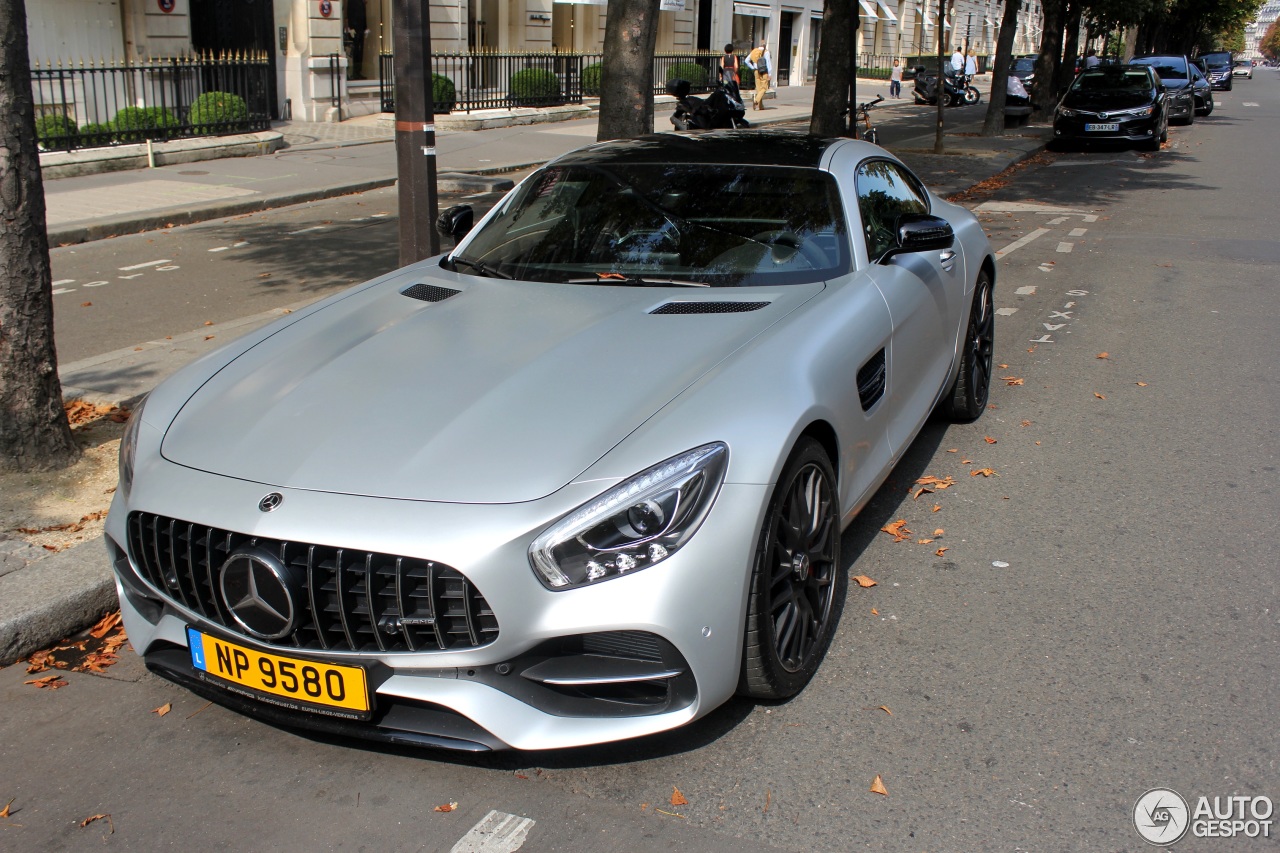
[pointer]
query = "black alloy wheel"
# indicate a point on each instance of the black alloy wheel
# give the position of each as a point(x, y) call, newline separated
point(797, 584)
point(968, 396)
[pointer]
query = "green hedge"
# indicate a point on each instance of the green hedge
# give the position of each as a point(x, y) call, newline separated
point(97, 134)
point(746, 77)
point(444, 94)
point(52, 129)
point(535, 87)
point(218, 112)
point(135, 124)
point(591, 80)
point(691, 71)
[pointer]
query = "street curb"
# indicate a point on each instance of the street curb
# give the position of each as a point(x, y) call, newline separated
point(53, 598)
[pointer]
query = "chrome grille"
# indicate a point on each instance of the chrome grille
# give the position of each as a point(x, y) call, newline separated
point(358, 601)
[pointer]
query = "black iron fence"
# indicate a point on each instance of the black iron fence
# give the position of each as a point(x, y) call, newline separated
point(89, 106)
point(462, 82)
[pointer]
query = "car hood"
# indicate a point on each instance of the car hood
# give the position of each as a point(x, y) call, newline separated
point(503, 392)
point(1103, 101)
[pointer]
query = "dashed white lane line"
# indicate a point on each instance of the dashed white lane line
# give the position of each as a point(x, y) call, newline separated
point(1026, 291)
point(1078, 232)
point(147, 264)
point(220, 249)
point(306, 230)
point(1022, 241)
point(1249, 103)
point(1006, 312)
point(63, 281)
point(1065, 247)
point(498, 832)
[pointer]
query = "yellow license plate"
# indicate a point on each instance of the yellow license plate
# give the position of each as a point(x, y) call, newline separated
point(291, 682)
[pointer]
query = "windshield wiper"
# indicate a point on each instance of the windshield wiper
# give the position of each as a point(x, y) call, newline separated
point(639, 281)
point(479, 266)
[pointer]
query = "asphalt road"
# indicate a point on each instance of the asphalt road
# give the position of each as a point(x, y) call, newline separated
point(1105, 618)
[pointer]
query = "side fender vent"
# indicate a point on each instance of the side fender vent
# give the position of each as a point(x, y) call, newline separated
point(430, 292)
point(871, 381)
point(709, 307)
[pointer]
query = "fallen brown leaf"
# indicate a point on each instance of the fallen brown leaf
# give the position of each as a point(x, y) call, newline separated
point(163, 709)
point(209, 337)
point(1012, 380)
point(1142, 385)
point(877, 787)
point(923, 541)
point(1103, 355)
point(1026, 423)
point(4, 812)
point(208, 322)
point(105, 817)
point(923, 490)
point(940, 552)
point(986, 472)
point(677, 798)
point(945, 483)
point(106, 623)
point(447, 807)
point(939, 532)
point(898, 530)
point(86, 304)
point(53, 682)
point(988, 439)
point(885, 708)
point(864, 581)
point(875, 612)
point(936, 508)
point(768, 798)
point(1099, 396)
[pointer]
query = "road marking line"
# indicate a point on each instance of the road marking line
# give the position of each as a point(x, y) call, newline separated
point(1089, 217)
point(95, 283)
point(1065, 247)
point(220, 249)
point(498, 832)
point(1077, 232)
point(1005, 312)
point(1249, 104)
point(1022, 241)
point(63, 281)
point(1046, 268)
point(1025, 291)
point(64, 290)
point(305, 230)
point(240, 245)
point(1061, 315)
point(1052, 327)
point(1057, 220)
point(1043, 339)
point(379, 215)
point(144, 266)
point(128, 277)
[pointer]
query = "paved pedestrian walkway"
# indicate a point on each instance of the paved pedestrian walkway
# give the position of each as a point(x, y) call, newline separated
point(45, 597)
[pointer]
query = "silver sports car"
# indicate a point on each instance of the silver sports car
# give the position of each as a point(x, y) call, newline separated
point(581, 479)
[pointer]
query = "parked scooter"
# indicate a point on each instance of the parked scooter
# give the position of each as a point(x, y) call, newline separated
point(718, 110)
point(926, 88)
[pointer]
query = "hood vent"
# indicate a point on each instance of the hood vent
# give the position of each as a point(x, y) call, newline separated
point(709, 307)
point(871, 381)
point(429, 292)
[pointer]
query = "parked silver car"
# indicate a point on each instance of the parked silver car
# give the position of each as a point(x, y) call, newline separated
point(581, 479)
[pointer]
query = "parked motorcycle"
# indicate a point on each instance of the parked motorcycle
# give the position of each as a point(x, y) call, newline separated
point(718, 110)
point(926, 88)
point(969, 92)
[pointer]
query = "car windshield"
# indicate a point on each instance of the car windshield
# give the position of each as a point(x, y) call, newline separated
point(1168, 67)
point(1217, 60)
point(1023, 66)
point(1243, 63)
point(1113, 80)
point(665, 224)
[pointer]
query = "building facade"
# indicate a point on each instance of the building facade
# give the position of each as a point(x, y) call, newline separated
point(324, 53)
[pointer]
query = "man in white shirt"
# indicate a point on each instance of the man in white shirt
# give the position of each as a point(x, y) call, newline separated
point(957, 60)
point(761, 63)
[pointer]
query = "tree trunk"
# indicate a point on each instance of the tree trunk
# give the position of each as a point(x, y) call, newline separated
point(939, 145)
point(993, 125)
point(626, 78)
point(1070, 49)
point(1044, 93)
point(831, 89)
point(34, 435)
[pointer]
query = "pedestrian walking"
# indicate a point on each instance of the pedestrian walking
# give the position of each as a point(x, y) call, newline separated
point(761, 63)
point(729, 72)
point(970, 66)
point(957, 60)
point(895, 80)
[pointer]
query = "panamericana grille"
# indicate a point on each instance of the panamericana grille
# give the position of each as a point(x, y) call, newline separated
point(358, 601)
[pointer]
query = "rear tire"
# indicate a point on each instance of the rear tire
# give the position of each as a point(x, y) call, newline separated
point(797, 584)
point(967, 398)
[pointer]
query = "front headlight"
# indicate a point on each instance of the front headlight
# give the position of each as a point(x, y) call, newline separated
point(1142, 112)
point(636, 524)
point(129, 448)
point(1067, 113)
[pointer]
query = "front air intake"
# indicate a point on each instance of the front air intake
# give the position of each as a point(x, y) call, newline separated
point(430, 292)
point(708, 307)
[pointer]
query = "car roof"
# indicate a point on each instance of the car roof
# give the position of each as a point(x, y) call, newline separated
point(730, 147)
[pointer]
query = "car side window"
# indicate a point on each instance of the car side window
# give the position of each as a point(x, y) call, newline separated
point(886, 191)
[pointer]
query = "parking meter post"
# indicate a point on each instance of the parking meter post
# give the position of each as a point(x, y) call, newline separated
point(415, 131)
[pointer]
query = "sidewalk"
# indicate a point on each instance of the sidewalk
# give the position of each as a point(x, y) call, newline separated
point(43, 596)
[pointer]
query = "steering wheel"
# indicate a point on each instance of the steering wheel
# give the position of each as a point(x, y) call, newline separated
point(786, 244)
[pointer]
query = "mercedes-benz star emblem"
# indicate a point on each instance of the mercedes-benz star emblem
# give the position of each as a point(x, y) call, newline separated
point(258, 591)
point(270, 502)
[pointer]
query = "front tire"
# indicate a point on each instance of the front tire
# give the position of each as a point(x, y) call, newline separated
point(797, 584)
point(967, 398)
point(971, 96)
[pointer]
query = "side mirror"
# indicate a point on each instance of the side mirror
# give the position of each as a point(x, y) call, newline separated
point(921, 232)
point(454, 222)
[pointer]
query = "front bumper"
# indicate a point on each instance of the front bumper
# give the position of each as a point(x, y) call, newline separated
point(684, 614)
point(1072, 129)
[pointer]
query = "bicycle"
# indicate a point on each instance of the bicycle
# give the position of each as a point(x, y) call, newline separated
point(863, 115)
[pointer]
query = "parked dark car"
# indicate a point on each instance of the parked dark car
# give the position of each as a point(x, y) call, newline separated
point(1217, 68)
point(1113, 104)
point(1024, 68)
point(1187, 97)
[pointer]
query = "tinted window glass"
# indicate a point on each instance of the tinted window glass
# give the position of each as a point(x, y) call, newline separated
point(885, 192)
point(697, 223)
point(1112, 80)
point(1168, 67)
